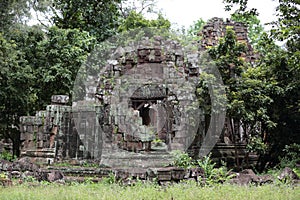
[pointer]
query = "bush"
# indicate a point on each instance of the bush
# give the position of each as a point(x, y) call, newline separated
point(214, 175)
point(291, 157)
point(111, 179)
point(181, 159)
point(6, 155)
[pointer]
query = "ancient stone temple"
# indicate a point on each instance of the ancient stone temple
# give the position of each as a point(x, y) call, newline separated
point(216, 29)
point(141, 107)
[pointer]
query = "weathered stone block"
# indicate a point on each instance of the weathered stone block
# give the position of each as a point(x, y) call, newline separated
point(178, 173)
point(60, 99)
point(164, 174)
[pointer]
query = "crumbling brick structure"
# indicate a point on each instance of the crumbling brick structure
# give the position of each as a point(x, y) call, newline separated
point(155, 80)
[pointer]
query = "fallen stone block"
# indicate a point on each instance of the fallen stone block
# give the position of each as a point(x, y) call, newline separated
point(55, 176)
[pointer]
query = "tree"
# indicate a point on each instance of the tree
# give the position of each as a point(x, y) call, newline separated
point(242, 9)
point(60, 56)
point(13, 11)
point(282, 67)
point(288, 25)
point(16, 93)
point(138, 6)
point(27, 40)
point(228, 58)
point(136, 20)
point(17, 54)
point(98, 17)
point(196, 27)
point(255, 29)
point(279, 71)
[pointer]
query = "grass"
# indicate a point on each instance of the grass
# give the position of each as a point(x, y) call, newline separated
point(189, 190)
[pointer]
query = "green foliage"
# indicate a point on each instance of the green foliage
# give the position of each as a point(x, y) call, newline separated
point(29, 179)
point(227, 55)
point(3, 175)
point(181, 159)
point(88, 180)
point(249, 92)
point(255, 29)
point(207, 165)
point(136, 20)
point(196, 27)
point(15, 76)
point(6, 155)
point(111, 179)
point(291, 156)
point(281, 73)
point(256, 144)
point(187, 190)
point(242, 9)
point(288, 26)
point(213, 175)
point(228, 58)
point(139, 6)
point(219, 175)
point(61, 55)
point(89, 164)
point(16, 93)
point(99, 18)
point(273, 85)
point(256, 94)
point(13, 11)
point(210, 88)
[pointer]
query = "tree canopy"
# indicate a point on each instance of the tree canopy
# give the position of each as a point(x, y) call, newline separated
point(271, 87)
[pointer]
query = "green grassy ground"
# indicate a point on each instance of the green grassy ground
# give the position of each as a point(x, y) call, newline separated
point(147, 191)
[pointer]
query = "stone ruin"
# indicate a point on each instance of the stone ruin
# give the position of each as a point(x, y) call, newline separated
point(102, 128)
point(51, 134)
point(216, 29)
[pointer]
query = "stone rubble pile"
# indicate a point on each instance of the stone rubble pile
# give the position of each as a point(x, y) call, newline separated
point(24, 170)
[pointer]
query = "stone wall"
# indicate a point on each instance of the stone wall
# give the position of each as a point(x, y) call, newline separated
point(59, 132)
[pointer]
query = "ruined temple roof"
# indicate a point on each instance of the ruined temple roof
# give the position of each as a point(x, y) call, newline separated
point(216, 29)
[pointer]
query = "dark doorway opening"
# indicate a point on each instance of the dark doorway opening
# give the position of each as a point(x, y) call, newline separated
point(144, 108)
point(145, 115)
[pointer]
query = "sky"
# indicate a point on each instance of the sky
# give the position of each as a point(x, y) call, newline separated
point(185, 12)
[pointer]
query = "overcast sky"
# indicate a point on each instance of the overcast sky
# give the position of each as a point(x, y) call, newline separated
point(185, 12)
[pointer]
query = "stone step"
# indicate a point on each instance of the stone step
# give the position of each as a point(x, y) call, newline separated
point(121, 158)
point(45, 152)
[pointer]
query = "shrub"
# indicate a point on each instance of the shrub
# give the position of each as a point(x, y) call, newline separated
point(291, 157)
point(6, 155)
point(214, 175)
point(181, 159)
point(111, 179)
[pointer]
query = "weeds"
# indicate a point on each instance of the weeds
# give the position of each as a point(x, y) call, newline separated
point(212, 175)
point(6, 155)
point(291, 157)
point(207, 165)
point(181, 159)
point(111, 179)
